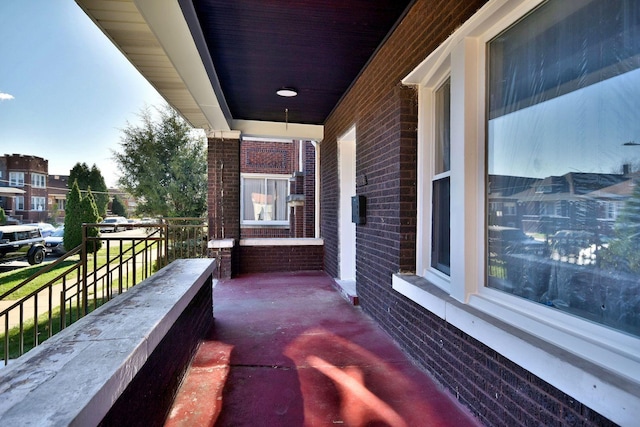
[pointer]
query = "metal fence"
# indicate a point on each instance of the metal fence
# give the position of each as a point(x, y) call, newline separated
point(60, 293)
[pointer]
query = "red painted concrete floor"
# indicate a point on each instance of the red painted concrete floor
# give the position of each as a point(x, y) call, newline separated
point(287, 350)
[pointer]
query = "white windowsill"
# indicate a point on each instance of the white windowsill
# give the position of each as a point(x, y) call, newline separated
point(282, 242)
point(610, 393)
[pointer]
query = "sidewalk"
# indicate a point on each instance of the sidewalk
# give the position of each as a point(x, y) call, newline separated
point(287, 350)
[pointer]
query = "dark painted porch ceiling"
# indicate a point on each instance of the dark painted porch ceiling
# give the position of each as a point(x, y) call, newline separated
point(254, 47)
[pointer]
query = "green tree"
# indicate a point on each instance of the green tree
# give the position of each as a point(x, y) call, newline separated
point(91, 178)
point(3, 217)
point(117, 207)
point(73, 218)
point(164, 166)
point(623, 253)
point(90, 216)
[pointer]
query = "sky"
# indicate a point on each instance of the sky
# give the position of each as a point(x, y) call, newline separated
point(66, 92)
point(582, 131)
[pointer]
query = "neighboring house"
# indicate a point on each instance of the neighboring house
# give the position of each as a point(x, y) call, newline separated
point(58, 190)
point(575, 201)
point(457, 91)
point(28, 174)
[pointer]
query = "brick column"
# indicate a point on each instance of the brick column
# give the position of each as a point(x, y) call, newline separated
point(223, 196)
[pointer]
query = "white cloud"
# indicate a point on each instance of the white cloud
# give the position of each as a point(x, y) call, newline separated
point(5, 96)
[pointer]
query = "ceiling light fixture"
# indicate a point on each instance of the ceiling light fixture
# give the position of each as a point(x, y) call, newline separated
point(287, 92)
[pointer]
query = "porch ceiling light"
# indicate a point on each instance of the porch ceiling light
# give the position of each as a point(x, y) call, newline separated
point(287, 92)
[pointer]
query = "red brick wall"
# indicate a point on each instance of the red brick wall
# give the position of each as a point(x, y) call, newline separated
point(262, 259)
point(223, 159)
point(268, 157)
point(309, 190)
point(264, 232)
point(385, 115)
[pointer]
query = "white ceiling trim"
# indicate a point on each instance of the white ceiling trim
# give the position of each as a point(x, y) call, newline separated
point(154, 36)
point(262, 129)
point(166, 21)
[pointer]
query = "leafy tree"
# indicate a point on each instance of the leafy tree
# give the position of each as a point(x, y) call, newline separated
point(90, 216)
point(3, 217)
point(623, 253)
point(117, 207)
point(164, 166)
point(73, 218)
point(92, 178)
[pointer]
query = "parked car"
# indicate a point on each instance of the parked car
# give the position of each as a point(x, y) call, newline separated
point(46, 229)
point(510, 240)
point(54, 244)
point(21, 242)
point(114, 224)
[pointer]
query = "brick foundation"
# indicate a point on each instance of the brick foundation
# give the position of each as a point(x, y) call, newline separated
point(262, 259)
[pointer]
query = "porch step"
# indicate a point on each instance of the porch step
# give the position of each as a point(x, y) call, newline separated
point(347, 289)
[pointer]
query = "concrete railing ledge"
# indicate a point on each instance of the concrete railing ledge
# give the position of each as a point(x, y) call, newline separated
point(75, 377)
point(221, 243)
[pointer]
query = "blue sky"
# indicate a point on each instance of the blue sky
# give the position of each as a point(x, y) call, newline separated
point(65, 90)
point(582, 131)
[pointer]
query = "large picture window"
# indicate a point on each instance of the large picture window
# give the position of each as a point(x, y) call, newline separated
point(563, 146)
point(543, 191)
point(264, 200)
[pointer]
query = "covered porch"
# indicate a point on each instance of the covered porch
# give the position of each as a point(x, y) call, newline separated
point(286, 350)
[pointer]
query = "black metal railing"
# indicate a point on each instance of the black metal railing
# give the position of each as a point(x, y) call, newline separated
point(81, 281)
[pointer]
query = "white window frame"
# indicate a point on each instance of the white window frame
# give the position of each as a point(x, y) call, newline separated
point(16, 179)
point(427, 175)
point(596, 365)
point(261, 176)
point(38, 180)
point(34, 203)
point(19, 203)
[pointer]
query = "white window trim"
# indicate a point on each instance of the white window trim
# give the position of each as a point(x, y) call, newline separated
point(35, 204)
point(596, 365)
point(261, 176)
point(15, 182)
point(426, 174)
point(38, 180)
point(19, 198)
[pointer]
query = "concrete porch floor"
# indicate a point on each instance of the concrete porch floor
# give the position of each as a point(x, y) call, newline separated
point(287, 350)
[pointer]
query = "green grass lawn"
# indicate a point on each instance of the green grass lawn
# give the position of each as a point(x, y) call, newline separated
point(48, 327)
point(43, 331)
point(10, 279)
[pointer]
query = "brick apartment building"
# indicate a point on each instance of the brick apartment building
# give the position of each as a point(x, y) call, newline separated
point(28, 174)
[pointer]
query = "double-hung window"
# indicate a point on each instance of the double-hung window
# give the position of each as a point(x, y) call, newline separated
point(19, 203)
point(543, 186)
point(441, 182)
point(38, 180)
point(264, 199)
point(37, 203)
point(16, 179)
